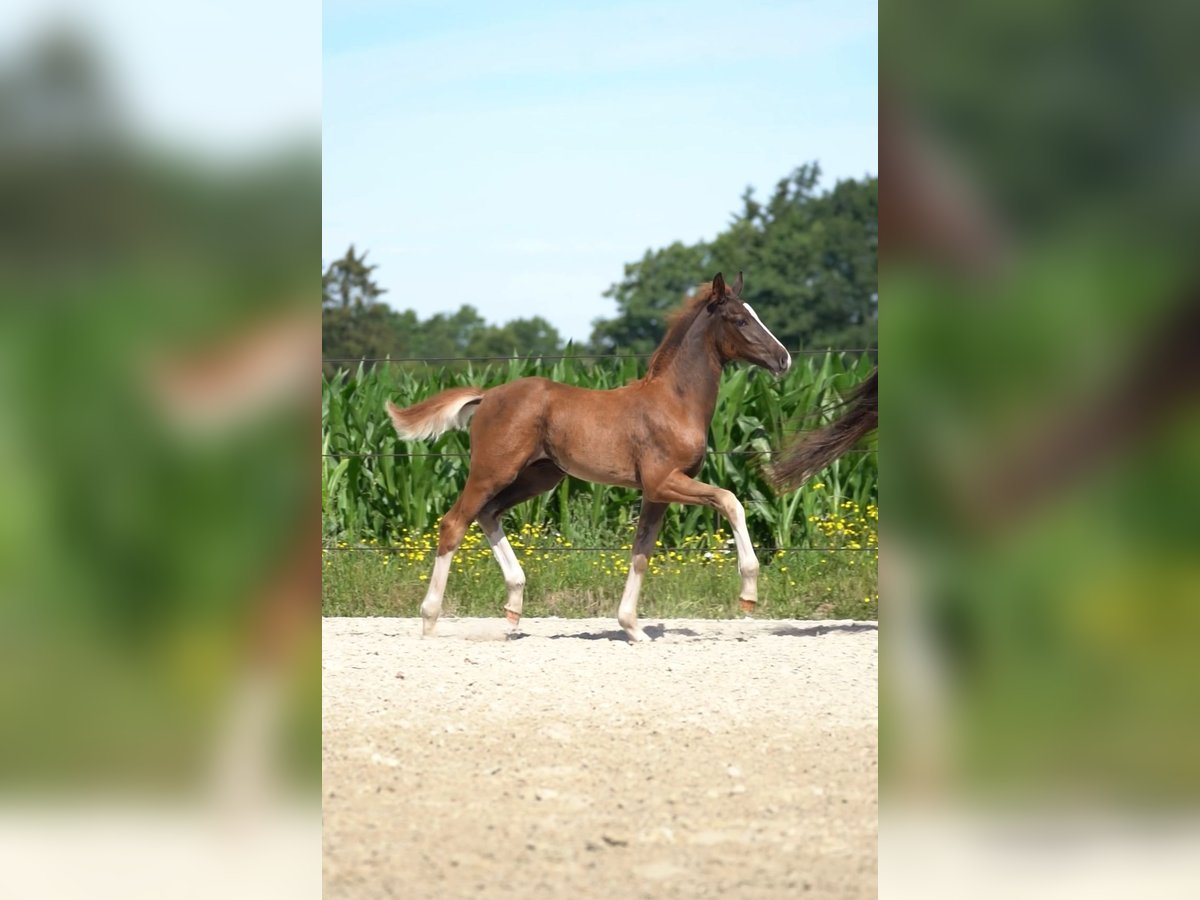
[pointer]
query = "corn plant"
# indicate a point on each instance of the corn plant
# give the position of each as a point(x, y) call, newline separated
point(378, 487)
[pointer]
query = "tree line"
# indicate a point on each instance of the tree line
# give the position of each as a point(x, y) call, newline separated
point(810, 259)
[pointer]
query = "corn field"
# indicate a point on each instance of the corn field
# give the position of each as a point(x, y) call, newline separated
point(378, 488)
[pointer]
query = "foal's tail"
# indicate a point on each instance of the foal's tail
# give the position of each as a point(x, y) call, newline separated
point(442, 412)
point(812, 451)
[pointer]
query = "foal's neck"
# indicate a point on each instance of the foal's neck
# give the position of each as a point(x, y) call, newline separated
point(694, 371)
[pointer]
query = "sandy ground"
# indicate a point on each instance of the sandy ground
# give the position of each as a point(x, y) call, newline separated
point(725, 758)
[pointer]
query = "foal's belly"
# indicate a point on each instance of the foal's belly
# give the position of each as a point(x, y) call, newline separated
point(596, 457)
point(600, 472)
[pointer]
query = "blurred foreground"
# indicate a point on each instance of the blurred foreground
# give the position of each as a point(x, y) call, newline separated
point(159, 651)
point(1040, 716)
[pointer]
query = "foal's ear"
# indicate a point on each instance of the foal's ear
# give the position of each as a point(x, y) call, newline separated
point(718, 292)
point(737, 286)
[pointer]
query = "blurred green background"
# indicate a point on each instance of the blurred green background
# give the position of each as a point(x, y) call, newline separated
point(1041, 581)
point(141, 545)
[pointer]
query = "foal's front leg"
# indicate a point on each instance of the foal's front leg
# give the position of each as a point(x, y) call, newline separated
point(649, 523)
point(679, 488)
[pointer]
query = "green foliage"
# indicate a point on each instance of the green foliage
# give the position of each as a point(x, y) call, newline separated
point(136, 549)
point(373, 489)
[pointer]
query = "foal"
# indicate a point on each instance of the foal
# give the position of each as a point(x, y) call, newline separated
point(650, 434)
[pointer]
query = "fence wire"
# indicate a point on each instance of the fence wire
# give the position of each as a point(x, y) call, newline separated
point(337, 455)
point(554, 356)
point(713, 550)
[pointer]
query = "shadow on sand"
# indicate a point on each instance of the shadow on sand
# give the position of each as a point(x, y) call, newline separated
point(654, 632)
point(657, 632)
point(819, 628)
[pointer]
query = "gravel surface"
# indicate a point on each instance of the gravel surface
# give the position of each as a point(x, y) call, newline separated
point(724, 758)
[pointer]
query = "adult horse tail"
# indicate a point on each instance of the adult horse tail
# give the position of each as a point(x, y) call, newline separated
point(442, 412)
point(812, 451)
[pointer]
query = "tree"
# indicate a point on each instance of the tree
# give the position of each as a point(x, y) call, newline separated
point(809, 258)
point(451, 334)
point(534, 337)
point(813, 259)
point(354, 324)
point(522, 337)
point(347, 283)
point(651, 288)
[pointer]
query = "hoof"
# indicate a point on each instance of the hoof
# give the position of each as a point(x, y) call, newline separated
point(748, 606)
point(427, 627)
point(514, 619)
point(637, 636)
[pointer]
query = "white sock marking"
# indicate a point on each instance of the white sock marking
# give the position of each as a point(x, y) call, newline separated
point(431, 606)
point(747, 561)
point(510, 566)
point(627, 611)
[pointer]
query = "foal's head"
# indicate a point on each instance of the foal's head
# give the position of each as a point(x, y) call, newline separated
point(739, 333)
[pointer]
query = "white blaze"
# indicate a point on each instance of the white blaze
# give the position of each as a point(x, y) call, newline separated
point(778, 342)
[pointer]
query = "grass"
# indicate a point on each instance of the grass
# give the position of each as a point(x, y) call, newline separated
point(697, 578)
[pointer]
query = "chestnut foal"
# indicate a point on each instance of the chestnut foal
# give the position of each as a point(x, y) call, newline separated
point(650, 434)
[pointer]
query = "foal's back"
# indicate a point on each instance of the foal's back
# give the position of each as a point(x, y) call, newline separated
point(596, 435)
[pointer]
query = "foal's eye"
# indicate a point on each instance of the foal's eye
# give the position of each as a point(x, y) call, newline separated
point(741, 321)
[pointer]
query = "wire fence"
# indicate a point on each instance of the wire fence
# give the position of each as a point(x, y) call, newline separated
point(464, 454)
point(541, 357)
point(390, 548)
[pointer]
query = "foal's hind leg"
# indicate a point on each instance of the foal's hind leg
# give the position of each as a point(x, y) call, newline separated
point(479, 490)
point(535, 479)
point(649, 523)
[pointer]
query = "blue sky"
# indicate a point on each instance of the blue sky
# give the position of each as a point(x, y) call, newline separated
point(514, 156)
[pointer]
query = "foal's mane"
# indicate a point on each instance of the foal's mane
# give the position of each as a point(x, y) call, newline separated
point(678, 323)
